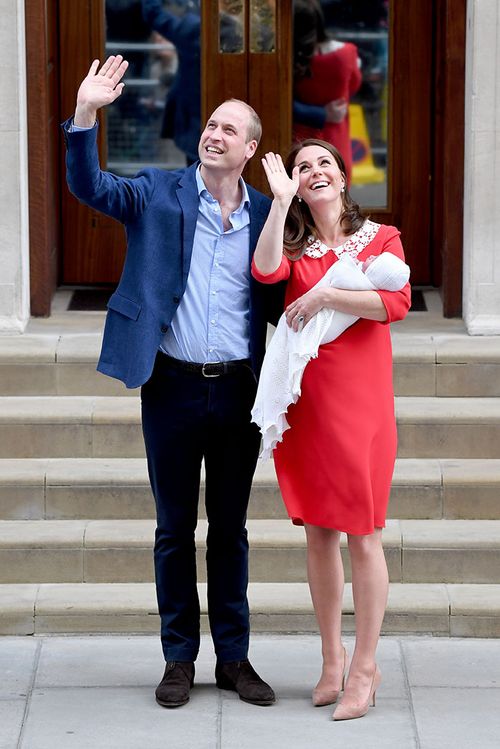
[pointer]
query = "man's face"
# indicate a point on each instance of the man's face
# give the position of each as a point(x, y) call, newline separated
point(223, 144)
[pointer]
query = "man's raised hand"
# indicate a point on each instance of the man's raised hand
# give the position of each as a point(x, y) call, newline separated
point(98, 88)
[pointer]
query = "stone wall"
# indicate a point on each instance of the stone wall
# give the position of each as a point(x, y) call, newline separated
point(481, 303)
point(14, 245)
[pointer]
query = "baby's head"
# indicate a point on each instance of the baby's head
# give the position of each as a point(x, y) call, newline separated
point(386, 271)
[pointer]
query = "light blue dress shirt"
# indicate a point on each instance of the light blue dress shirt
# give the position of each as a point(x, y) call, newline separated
point(212, 320)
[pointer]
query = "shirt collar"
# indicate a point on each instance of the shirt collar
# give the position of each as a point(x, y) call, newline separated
point(206, 195)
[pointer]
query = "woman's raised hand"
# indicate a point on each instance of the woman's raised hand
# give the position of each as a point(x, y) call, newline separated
point(282, 186)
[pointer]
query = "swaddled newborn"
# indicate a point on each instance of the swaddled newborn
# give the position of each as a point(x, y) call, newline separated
point(384, 271)
point(289, 352)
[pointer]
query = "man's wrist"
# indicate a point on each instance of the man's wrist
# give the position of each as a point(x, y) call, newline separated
point(84, 117)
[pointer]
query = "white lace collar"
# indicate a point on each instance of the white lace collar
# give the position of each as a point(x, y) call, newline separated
point(353, 245)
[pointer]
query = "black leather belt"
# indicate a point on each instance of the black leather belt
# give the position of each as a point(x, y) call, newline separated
point(208, 369)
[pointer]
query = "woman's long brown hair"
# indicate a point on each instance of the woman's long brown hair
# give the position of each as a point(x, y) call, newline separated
point(299, 224)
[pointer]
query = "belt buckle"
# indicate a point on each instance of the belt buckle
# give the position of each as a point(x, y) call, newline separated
point(205, 365)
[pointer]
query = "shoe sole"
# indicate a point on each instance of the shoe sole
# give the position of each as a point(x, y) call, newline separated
point(171, 704)
point(260, 703)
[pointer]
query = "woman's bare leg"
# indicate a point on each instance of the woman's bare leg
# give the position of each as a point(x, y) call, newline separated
point(325, 573)
point(370, 585)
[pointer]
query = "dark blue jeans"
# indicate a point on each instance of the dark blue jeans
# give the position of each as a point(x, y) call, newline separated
point(186, 418)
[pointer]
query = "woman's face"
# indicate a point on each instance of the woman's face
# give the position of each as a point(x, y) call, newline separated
point(320, 179)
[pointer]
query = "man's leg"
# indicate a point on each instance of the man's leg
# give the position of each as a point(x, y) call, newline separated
point(173, 405)
point(230, 458)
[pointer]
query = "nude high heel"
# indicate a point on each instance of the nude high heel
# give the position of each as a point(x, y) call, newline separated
point(348, 712)
point(322, 697)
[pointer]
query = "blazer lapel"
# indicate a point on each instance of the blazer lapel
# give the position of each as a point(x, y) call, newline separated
point(258, 215)
point(187, 195)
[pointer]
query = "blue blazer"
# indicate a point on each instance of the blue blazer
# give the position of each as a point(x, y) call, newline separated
point(159, 210)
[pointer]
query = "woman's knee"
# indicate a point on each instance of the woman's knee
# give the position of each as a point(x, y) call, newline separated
point(365, 545)
point(318, 537)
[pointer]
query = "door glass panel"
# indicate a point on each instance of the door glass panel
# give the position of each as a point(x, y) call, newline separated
point(156, 121)
point(341, 51)
point(262, 26)
point(231, 26)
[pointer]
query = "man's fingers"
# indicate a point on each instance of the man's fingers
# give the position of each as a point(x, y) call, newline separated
point(107, 65)
point(119, 72)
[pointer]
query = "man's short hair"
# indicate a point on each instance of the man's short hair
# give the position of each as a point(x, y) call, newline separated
point(254, 129)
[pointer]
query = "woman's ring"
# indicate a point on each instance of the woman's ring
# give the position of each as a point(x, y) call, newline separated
point(301, 318)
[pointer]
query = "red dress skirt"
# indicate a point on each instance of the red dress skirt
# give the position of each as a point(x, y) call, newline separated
point(335, 463)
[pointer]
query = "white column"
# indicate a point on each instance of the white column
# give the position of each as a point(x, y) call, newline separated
point(14, 241)
point(481, 297)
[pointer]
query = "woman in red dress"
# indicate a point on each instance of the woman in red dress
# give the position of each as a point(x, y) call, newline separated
point(335, 463)
point(326, 75)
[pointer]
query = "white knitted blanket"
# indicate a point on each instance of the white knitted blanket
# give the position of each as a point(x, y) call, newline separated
point(289, 352)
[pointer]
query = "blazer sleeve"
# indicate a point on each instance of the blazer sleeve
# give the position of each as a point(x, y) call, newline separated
point(396, 303)
point(177, 29)
point(121, 198)
point(309, 114)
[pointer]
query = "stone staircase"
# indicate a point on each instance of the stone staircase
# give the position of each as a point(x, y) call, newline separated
point(76, 513)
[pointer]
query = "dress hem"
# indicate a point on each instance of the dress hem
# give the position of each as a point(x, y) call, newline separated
point(300, 521)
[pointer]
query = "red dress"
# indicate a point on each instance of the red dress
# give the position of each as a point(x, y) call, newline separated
point(336, 461)
point(335, 74)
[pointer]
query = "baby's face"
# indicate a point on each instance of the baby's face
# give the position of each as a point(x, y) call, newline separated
point(367, 263)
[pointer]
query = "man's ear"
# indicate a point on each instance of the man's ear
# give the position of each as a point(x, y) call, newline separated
point(251, 148)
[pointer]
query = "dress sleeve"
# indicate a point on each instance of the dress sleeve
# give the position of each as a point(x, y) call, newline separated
point(282, 273)
point(355, 77)
point(396, 303)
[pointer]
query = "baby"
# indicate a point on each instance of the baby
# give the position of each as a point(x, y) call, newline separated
point(289, 352)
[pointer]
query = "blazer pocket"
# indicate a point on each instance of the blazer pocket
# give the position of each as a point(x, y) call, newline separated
point(124, 306)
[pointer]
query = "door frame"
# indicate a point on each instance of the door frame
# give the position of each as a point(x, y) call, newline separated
point(448, 121)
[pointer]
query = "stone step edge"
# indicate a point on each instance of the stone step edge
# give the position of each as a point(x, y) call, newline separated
point(31, 410)
point(464, 610)
point(90, 472)
point(92, 535)
point(84, 348)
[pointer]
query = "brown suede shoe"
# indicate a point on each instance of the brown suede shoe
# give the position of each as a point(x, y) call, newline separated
point(173, 689)
point(239, 676)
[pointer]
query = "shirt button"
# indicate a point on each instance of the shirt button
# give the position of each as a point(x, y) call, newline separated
point(213, 322)
point(164, 328)
point(176, 299)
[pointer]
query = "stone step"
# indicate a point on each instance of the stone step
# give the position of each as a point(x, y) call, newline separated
point(119, 551)
point(102, 488)
point(109, 427)
point(461, 610)
point(431, 364)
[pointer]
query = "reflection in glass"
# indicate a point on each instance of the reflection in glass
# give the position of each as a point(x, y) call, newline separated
point(156, 121)
point(231, 26)
point(341, 86)
point(262, 25)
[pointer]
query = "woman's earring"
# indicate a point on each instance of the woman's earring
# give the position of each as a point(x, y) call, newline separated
point(342, 188)
point(299, 198)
